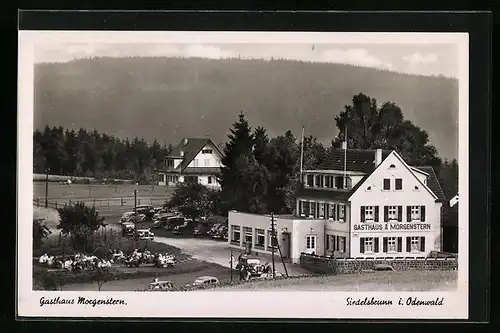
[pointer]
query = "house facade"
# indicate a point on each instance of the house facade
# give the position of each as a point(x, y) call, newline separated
point(359, 203)
point(193, 159)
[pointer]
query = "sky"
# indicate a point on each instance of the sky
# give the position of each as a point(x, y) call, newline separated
point(412, 58)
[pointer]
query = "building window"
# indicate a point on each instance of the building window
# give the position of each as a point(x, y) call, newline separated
point(415, 244)
point(310, 180)
point(170, 163)
point(368, 212)
point(209, 179)
point(176, 179)
point(260, 238)
point(206, 151)
point(305, 208)
point(387, 184)
point(247, 232)
point(321, 213)
point(391, 244)
point(235, 234)
point(369, 244)
point(415, 213)
point(393, 212)
point(318, 181)
point(311, 243)
point(399, 184)
point(207, 162)
point(341, 244)
point(392, 166)
point(339, 182)
point(341, 213)
point(332, 211)
point(195, 162)
point(312, 209)
point(329, 181)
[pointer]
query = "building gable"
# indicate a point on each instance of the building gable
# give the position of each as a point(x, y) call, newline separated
point(207, 157)
point(393, 167)
point(189, 148)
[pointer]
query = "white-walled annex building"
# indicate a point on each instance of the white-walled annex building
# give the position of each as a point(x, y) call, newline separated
point(373, 205)
point(192, 159)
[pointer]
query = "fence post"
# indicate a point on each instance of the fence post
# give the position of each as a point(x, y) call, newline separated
point(121, 201)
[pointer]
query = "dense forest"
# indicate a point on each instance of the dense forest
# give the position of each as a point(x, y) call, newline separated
point(171, 98)
point(94, 154)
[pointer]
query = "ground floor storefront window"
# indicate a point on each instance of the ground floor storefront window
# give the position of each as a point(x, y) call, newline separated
point(260, 236)
point(336, 243)
point(247, 232)
point(272, 241)
point(235, 234)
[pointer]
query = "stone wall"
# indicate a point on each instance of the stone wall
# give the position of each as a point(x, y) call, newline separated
point(326, 265)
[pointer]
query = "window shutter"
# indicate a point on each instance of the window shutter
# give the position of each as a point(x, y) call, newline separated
point(362, 213)
point(400, 244)
point(400, 213)
point(317, 210)
point(335, 243)
point(327, 211)
point(376, 244)
point(376, 214)
point(422, 244)
point(343, 244)
point(422, 213)
point(327, 241)
point(408, 244)
point(300, 207)
point(362, 245)
point(386, 213)
point(384, 244)
point(408, 213)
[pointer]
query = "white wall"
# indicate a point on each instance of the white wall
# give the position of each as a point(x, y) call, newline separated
point(302, 228)
point(206, 160)
point(408, 196)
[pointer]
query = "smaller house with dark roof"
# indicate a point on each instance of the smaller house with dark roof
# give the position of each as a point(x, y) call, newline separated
point(193, 159)
point(357, 203)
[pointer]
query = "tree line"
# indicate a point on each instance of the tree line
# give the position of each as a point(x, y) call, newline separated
point(93, 154)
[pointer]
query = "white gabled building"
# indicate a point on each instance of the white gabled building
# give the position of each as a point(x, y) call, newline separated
point(192, 159)
point(372, 204)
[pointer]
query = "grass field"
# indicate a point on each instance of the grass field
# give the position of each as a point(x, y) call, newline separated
point(100, 195)
point(376, 281)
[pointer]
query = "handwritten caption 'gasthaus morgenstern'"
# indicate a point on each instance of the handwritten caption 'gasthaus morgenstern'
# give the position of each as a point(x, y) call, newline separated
point(81, 301)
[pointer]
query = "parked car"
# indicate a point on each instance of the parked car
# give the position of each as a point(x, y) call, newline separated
point(205, 280)
point(201, 229)
point(161, 220)
point(128, 229)
point(145, 234)
point(160, 210)
point(132, 217)
point(214, 229)
point(161, 285)
point(185, 228)
point(147, 210)
point(174, 221)
point(221, 232)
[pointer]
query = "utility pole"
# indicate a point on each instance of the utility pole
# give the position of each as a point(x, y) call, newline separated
point(272, 242)
point(231, 264)
point(135, 216)
point(47, 188)
point(282, 260)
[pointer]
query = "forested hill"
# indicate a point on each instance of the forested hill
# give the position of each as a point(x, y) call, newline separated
point(169, 98)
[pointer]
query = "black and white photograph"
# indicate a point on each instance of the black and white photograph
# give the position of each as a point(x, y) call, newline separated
point(177, 174)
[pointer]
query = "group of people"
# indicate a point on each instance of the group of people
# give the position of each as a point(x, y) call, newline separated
point(137, 258)
point(75, 263)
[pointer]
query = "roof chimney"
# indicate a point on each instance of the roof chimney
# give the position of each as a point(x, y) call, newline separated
point(185, 141)
point(378, 157)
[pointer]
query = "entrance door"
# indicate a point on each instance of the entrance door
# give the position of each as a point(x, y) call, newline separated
point(310, 243)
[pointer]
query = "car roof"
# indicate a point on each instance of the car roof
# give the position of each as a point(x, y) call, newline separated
point(205, 277)
point(158, 282)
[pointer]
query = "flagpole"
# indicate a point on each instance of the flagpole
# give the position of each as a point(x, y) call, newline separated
point(345, 158)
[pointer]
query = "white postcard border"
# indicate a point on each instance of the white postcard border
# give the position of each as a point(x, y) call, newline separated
point(214, 304)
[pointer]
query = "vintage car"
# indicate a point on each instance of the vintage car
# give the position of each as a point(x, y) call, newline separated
point(128, 229)
point(221, 231)
point(147, 210)
point(145, 234)
point(205, 280)
point(160, 285)
point(132, 217)
point(201, 229)
point(161, 220)
point(186, 228)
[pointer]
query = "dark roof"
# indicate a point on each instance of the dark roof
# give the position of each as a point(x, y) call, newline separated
point(323, 194)
point(201, 170)
point(433, 182)
point(361, 160)
point(191, 149)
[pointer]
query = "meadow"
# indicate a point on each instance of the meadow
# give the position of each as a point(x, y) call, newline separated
point(100, 195)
